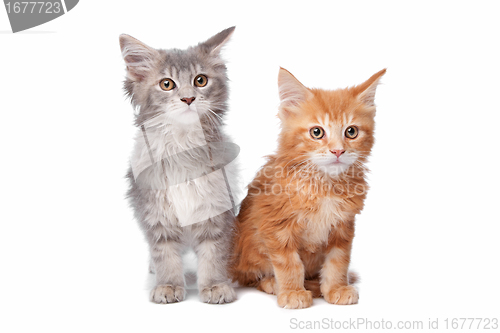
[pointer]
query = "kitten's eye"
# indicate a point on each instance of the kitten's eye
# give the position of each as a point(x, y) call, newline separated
point(167, 84)
point(317, 133)
point(351, 132)
point(200, 80)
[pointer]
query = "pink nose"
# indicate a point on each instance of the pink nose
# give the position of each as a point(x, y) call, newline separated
point(188, 100)
point(337, 152)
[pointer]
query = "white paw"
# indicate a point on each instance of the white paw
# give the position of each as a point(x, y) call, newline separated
point(218, 294)
point(164, 294)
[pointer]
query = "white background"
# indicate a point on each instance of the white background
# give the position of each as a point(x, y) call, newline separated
point(73, 259)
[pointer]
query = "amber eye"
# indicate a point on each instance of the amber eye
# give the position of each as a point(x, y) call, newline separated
point(317, 133)
point(167, 84)
point(351, 132)
point(200, 80)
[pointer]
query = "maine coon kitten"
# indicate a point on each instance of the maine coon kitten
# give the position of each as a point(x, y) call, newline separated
point(296, 225)
point(178, 193)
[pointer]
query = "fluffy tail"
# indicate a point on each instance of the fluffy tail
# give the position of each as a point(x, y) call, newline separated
point(353, 277)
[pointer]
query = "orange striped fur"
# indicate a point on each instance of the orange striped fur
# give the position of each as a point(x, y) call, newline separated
point(295, 228)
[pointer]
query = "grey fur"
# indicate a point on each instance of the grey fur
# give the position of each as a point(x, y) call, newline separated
point(153, 201)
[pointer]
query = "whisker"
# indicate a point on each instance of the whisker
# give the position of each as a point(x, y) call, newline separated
point(145, 122)
point(301, 155)
point(215, 114)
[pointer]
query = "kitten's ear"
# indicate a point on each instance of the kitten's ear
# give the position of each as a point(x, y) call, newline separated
point(291, 92)
point(215, 43)
point(139, 57)
point(366, 90)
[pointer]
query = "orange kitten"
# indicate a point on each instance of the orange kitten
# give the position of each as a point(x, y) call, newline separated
point(296, 225)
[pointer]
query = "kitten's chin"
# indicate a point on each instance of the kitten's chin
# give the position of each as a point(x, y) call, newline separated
point(333, 169)
point(337, 169)
point(187, 117)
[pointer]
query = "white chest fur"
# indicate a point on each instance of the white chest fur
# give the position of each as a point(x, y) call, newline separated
point(189, 199)
point(319, 224)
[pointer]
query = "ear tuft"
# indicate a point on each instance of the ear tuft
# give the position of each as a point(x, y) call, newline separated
point(139, 57)
point(216, 42)
point(366, 91)
point(292, 92)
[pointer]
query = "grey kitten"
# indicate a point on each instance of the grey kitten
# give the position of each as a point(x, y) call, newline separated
point(182, 188)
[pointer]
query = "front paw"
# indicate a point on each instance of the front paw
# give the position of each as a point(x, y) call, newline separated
point(344, 295)
point(295, 299)
point(218, 294)
point(167, 293)
point(268, 285)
